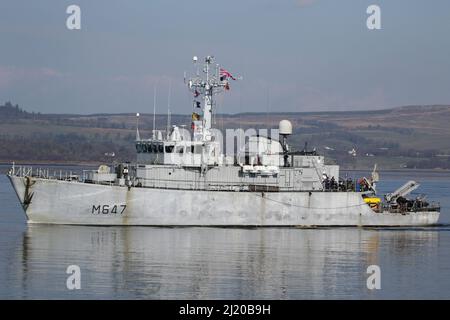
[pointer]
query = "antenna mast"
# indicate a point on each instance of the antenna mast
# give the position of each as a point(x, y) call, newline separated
point(138, 136)
point(154, 112)
point(168, 112)
point(210, 84)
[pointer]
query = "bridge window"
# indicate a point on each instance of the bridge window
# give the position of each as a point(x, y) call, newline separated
point(139, 148)
point(169, 149)
point(179, 150)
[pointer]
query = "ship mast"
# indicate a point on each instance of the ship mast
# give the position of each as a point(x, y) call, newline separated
point(209, 85)
point(208, 96)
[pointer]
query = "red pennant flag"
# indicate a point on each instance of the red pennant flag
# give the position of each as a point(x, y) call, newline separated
point(224, 74)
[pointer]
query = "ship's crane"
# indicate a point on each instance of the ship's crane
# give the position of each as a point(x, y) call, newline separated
point(403, 191)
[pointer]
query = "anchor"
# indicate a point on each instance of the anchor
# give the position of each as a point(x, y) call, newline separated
point(28, 196)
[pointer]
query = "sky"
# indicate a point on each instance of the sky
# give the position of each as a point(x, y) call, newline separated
point(293, 55)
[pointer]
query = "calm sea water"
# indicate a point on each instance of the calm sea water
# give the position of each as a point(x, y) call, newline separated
point(226, 263)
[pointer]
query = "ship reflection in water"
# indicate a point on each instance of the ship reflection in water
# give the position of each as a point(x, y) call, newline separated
point(222, 263)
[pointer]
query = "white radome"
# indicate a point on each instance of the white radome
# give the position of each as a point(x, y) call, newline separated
point(285, 127)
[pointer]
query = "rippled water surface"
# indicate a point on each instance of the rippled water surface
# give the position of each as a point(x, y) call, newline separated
point(227, 263)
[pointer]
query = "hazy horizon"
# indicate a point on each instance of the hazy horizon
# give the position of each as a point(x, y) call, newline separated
point(294, 55)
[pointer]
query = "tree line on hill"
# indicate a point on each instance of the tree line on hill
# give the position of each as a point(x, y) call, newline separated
point(10, 111)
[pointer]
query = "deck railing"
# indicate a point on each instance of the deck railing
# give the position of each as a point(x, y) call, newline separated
point(43, 173)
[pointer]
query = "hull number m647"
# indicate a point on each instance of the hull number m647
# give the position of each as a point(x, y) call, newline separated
point(108, 209)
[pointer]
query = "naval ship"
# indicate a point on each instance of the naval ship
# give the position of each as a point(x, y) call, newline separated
point(185, 178)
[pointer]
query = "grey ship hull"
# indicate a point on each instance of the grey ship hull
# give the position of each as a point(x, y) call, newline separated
point(64, 202)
